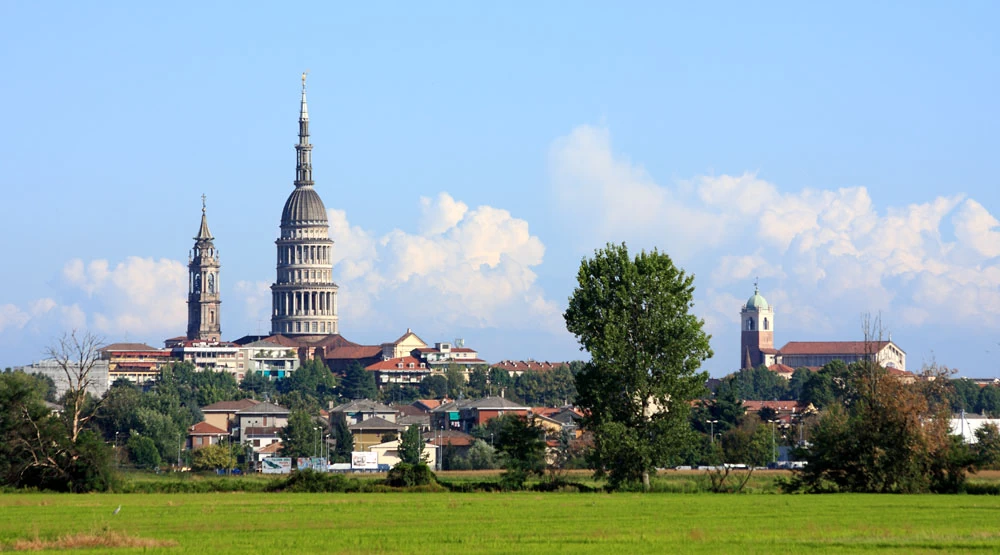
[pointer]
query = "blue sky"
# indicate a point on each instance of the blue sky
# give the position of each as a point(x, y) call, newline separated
point(471, 155)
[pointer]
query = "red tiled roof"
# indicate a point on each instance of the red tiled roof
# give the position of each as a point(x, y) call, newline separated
point(206, 429)
point(332, 342)
point(230, 406)
point(449, 437)
point(781, 368)
point(409, 410)
point(392, 365)
point(769, 351)
point(544, 411)
point(271, 448)
point(856, 348)
point(354, 352)
point(431, 404)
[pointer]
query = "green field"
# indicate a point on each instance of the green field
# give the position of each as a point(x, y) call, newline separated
point(512, 522)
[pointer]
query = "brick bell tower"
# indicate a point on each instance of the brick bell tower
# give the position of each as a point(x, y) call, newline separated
point(757, 338)
point(203, 285)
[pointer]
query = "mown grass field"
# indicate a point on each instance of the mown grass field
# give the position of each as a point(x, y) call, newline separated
point(437, 523)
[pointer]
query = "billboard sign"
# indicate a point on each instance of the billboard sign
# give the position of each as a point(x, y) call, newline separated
point(276, 465)
point(318, 464)
point(364, 460)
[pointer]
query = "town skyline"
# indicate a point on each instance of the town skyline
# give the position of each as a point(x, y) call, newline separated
point(461, 199)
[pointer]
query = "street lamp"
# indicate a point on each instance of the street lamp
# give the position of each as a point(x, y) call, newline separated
point(118, 454)
point(774, 453)
point(711, 433)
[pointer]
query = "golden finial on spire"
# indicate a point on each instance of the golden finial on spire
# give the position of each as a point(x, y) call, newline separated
point(304, 74)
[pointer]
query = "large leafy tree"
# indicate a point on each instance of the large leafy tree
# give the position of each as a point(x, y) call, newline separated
point(885, 435)
point(343, 439)
point(313, 380)
point(633, 315)
point(299, 437)
point(411, 446)
point(37, 447)
point(358, 383)
point(523, 450)
point(758, 384)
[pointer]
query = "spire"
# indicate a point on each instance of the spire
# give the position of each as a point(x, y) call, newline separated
point(304, 110)
point(203, 233)
point(303, 167)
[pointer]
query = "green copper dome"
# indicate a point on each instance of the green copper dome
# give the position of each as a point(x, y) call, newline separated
point(756, 302)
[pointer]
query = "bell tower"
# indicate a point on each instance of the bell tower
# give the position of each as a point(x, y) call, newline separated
point(203, 285)
point(757, 337)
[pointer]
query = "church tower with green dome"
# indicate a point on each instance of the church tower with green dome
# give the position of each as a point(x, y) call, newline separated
point(757, 337)
point(304, 296)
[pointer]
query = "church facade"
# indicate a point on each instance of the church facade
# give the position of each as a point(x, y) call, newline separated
point(757, 345)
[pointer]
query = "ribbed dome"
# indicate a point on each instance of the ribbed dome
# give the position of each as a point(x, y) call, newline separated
point(303, 206)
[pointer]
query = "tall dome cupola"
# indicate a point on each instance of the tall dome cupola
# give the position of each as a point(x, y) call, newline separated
point(304, 296)
point(757, 335)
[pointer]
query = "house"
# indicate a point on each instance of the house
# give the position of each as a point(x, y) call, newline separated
point(440, 440)
point(338, 359)
point(405, 370)
point(360, 410)
point(259, 437)
point(136, 362)
point(427, 405)
point(545, 418)
point(373, 431)
point(262, 415)
point(388, 453)
point(97, 384)
point(465, 414)
point(966, 425)
point(422, 421)
point(219, 356)
point(223, 414)
point(442, 355)
point(203, 434)
point(403, 346)
point(269, 358)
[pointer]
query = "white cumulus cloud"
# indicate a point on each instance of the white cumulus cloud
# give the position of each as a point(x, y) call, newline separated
point(463, 268)
point(825, 255)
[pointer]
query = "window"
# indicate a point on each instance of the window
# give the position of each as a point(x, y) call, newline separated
point(749, 324)
point(765, 324)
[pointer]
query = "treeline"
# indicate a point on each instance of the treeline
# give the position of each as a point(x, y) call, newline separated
point(825, 386)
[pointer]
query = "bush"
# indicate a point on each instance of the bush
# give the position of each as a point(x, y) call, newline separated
point(144, 452)
point(310, 481)
point(408, 475)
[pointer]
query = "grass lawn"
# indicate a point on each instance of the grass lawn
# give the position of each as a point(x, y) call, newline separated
point(436, 523)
